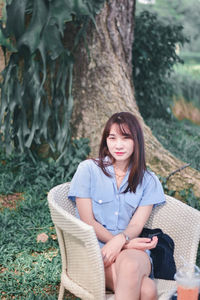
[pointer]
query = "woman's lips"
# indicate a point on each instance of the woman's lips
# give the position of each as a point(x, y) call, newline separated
point(119, 153)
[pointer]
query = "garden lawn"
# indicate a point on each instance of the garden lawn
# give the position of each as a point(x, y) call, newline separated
point(29, 269)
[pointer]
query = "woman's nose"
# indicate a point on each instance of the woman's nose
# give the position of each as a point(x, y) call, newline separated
point(118, 143)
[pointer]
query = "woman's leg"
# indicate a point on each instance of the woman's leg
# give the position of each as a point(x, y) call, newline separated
point(148, 289)
point(125, 276)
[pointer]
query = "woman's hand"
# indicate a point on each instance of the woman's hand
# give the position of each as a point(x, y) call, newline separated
point(142, 243)
point(112, 248)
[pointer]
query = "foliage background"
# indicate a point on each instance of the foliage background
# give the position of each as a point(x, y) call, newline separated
point(154, 56)
point(36, 90)
point(31, 270)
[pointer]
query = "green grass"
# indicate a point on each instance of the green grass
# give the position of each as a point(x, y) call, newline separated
point(27, 271)
point(192, 69)
point(191, 58)
point(186, 81)
point(31, 269)
point(182, 138)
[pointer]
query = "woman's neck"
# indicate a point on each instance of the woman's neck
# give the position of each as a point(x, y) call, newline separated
point(120, 166)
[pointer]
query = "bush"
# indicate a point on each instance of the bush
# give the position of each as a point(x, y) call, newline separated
point(182, 138)
point(18, 172)
point(154, 55)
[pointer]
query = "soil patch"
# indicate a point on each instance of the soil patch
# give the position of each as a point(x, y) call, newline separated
point(10, 201)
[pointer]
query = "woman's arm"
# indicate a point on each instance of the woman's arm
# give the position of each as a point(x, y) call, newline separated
point(113, 247)
point(135, 227)
point(84, 206)
point(138, 221)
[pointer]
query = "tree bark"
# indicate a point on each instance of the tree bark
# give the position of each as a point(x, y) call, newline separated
point(103, 85)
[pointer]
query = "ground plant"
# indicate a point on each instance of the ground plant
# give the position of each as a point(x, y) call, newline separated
point(30, 269)
point(182, 138)
point(186, 80)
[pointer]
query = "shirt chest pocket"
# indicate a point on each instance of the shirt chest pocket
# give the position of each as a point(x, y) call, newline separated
point(102, 208)
point(131, 202)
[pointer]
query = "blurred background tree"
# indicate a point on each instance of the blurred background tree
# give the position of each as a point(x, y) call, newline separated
point(175, 86)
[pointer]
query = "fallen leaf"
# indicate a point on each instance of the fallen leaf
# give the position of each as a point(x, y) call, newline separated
point(54, 237)
point(42, 237)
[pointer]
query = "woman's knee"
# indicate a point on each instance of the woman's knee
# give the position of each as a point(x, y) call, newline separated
point(128, 265)
point(148, 289)
point(134, 261)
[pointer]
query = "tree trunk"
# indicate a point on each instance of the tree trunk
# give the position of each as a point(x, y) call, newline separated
point(103, 86)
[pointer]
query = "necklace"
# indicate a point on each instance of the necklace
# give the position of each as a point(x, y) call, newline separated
point(117, 175)
point(121, 174)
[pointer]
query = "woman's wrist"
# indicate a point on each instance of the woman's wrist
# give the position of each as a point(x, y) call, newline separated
point(126, 237)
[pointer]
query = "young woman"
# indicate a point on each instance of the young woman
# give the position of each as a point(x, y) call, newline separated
point(115, 194)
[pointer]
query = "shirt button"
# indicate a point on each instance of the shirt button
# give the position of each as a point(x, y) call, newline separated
point(116, 213)
point(100, 201)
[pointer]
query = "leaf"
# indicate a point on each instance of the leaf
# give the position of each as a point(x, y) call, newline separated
point(52, 41)
point(6, 42)
point(42, 237)
point(36, 93)
point(16, 18)
point(54, 236)
point(61, 12)
point(31, 37)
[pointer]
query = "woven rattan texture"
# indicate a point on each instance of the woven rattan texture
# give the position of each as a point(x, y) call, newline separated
point(81, 254)
point(182, 223)
point(84, 273)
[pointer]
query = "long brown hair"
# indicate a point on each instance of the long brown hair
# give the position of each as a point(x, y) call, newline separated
point(137, 159)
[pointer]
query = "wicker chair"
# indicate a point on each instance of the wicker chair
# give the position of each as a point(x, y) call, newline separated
point(82, 265)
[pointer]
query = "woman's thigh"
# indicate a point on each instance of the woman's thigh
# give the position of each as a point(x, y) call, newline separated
point(137, 258)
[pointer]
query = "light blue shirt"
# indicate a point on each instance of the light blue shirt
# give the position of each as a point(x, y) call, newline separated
point(111, 207)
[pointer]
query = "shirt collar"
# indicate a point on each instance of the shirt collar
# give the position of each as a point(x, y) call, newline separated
point(110, 170)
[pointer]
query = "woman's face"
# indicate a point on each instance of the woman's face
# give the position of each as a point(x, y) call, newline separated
point(120, 146)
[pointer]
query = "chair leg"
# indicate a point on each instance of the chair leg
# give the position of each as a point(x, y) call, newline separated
point(61, 292)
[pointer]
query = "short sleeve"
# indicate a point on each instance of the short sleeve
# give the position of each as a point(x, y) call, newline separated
point(80, 185)
point(153, 191)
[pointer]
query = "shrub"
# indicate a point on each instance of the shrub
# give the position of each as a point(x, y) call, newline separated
point(154, 55)
point(182, 138)
point(18, 172)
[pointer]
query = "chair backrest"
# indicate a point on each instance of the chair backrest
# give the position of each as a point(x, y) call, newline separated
point(182, 223)
point(60, 195)
point(175, 218)
point(82, 263)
